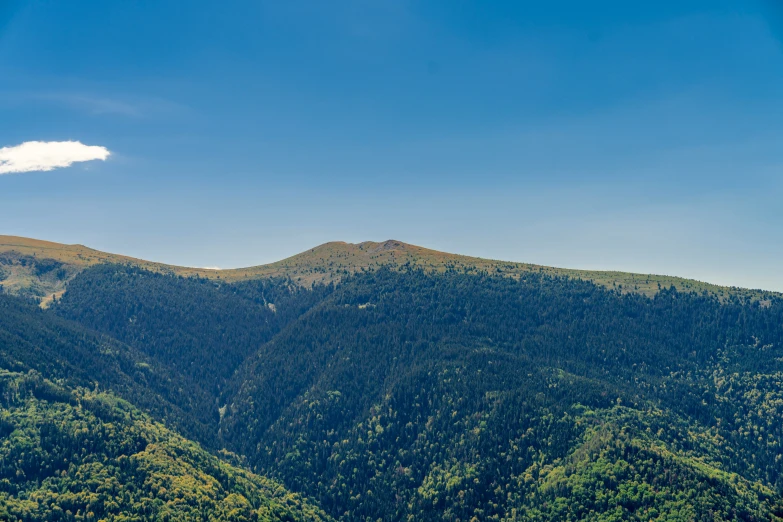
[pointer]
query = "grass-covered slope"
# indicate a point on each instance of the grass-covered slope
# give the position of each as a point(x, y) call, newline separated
point(332, 261)
point(43, 269)
point(73, 454)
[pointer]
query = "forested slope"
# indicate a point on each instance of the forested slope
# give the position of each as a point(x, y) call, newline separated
point(459, 396)
point(74, 454)
point(62, 350)
point(195, 329)
point(451, 396)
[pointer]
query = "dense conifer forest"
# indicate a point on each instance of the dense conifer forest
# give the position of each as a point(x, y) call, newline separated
point(396, 395)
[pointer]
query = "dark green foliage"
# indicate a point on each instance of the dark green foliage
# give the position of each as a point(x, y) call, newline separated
point(46, 266)
point(408, 396)
point(429, 396)
point(78, 455)
point(197, 330)
point(33, 339)
point(195, 327)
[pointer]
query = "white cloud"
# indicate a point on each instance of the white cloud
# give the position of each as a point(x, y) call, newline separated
point(33, 156)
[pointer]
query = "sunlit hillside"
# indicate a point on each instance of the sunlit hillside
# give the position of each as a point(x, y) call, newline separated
point(42, 268)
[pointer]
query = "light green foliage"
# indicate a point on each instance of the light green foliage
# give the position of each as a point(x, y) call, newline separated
point(630, 465)
point(81, 455)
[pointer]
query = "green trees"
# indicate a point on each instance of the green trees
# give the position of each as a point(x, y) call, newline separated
point(79, 455)
point(194, 330)
point(453, 397)
point(33, 339)
point(400, 395)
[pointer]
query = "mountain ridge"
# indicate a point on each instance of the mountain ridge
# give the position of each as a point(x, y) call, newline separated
point(21, 272)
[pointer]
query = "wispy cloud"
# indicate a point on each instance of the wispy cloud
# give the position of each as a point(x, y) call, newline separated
point(48, 155)
point(96, 104)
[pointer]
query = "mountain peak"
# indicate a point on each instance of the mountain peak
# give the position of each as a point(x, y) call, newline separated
point(28, 266)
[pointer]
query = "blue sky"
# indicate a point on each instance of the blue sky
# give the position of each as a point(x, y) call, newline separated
point(638, 136)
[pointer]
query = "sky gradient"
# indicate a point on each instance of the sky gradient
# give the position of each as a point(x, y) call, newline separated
point(642, 138)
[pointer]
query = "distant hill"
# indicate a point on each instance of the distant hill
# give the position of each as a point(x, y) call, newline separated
point(41, 269)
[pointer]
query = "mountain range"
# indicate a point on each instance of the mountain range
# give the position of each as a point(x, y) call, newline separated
point(382, 381)
point(325, 263)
